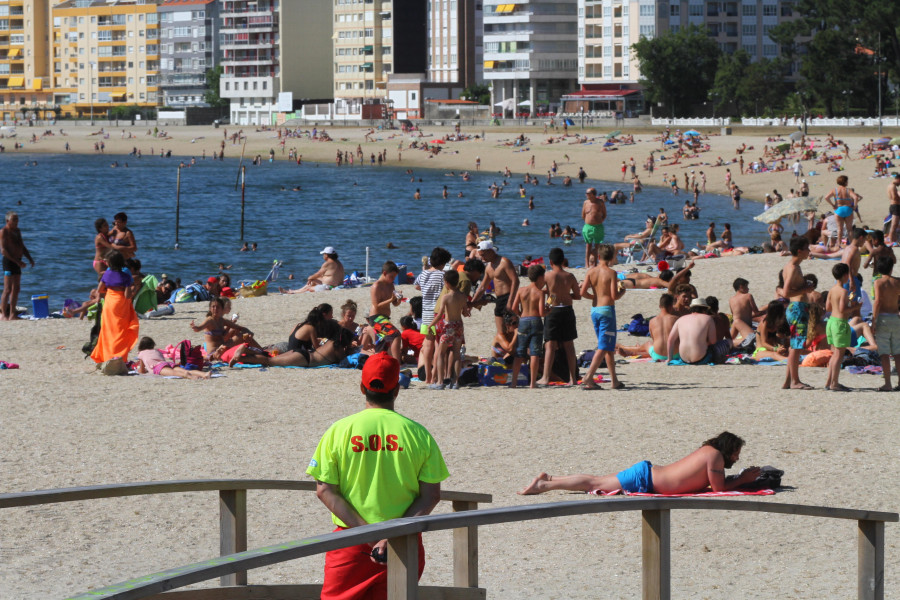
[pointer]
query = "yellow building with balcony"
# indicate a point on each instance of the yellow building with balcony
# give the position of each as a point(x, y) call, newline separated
point(24, 68)
point(105, 53)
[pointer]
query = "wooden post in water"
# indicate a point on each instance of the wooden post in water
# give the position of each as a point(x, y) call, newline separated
point(243, 187)
point(240, 164)
point(177, 204)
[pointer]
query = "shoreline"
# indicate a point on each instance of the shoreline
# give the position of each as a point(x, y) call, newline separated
point(190, 141)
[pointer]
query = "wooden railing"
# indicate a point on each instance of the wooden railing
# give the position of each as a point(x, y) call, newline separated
point(233, 517)
point(402, 546)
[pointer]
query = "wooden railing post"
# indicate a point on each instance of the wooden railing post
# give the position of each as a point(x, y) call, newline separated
point(655, 534)
point(233, 530)
point(870, 575)
point(465, 550)
point(403, 568)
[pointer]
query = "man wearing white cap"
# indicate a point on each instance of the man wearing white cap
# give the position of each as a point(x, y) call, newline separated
point(502, 272)
point(329, 276)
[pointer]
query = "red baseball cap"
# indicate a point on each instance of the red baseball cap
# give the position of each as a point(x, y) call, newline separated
point(381, 373)
point(212, 280)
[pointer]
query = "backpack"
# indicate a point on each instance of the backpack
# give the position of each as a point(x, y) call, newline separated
point(188, 356)
point(639, 325)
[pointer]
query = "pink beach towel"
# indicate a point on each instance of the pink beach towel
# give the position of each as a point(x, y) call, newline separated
point(699, 494)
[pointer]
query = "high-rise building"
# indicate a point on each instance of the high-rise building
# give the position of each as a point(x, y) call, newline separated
point(607, 68)
point(455, 34)
point(188, 47)
point(24, 60)
point(530, 52)
point(265, 73)
point(372, 40)
point(105, 54)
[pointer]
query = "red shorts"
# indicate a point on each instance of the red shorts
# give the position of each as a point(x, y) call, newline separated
point(351, 575)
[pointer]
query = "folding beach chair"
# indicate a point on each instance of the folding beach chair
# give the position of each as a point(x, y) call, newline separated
point(640, 246)
point(273, 274)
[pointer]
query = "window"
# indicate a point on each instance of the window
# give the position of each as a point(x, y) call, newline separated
point(674, 10)
point(748, 30)
point(770, 50)
point(648, 30)
point(748, 10)
point(648, 10)
point(749, 49)
point(695, 10)
point(674, 28)
point(770, 10)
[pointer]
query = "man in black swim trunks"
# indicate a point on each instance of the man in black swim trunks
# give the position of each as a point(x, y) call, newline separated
point(893, 192)
point(502, 273)
point(560, 329)
point(13, 249)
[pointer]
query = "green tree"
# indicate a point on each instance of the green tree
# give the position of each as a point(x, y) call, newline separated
point(211, 96)
point(478, 92)
point(677, 69)
point(730, 73)
point(764, 86)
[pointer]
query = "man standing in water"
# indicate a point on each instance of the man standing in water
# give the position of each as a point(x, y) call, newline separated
point(593, 212)
point(13, 249)
point(893, 192)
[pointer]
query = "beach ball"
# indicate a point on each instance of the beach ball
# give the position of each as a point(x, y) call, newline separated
point(663, 266)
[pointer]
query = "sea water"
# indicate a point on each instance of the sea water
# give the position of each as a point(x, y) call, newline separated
point(58, 198)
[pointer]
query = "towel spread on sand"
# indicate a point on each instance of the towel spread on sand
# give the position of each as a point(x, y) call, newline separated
point(698, 494)
point(119, 327)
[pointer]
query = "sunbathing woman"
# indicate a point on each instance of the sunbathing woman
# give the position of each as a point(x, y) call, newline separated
point(772, 333)
point(305, 347)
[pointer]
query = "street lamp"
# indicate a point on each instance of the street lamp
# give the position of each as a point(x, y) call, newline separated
point(582, 118)
point(847, 94)
point(878, 58)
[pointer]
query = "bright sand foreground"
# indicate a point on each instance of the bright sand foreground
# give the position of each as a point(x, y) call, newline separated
point(64, 426)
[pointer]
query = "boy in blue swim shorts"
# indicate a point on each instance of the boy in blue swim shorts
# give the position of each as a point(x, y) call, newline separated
point(603, 287)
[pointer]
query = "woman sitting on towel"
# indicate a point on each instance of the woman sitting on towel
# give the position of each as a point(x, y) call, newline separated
point(306, 347)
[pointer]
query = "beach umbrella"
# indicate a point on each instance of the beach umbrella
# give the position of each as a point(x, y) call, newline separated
point(525, 103)
point(884, 140)
point(692, 132)
point(788, 207)
point(894, 141)
point(613, 134)
point(796, 136)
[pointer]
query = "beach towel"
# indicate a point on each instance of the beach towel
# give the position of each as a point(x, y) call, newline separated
point(709, 494)
point(118, 329)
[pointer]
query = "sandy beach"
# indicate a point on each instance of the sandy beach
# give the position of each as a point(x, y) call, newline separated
point(193, 141)
point(65, 425)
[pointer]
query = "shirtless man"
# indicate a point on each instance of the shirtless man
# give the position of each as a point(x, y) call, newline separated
point(528, 304)
point(885, 322)
point(602, 286)
point(502, 272)
point(329, 276)
point(593, 212)
point(450, 308)
point(699, 471)
point(660, 327)
point(559, 324)
point(384, 296)
point(13, 249)
point(743, 310)
point(893, 193)
point(796, 289)
point(693, 335)
point(122, 238)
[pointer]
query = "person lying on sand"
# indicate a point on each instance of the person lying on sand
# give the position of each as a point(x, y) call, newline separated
point(702, 469)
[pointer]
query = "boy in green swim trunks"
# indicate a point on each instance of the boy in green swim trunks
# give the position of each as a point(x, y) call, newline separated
point(838, 328)
point(593, 213)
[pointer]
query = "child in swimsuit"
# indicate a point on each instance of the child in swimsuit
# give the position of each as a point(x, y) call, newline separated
point(216, 326)
point(151, 360)
point(504, 344)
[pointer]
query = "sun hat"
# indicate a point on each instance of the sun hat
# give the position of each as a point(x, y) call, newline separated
point(486, 245)
point(381, 373)
point(699, 302)
point(328, 250)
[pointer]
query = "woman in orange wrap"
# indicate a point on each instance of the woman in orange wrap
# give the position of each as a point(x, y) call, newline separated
point(119, 323)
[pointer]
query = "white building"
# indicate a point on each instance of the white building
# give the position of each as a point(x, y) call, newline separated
point(530, 52)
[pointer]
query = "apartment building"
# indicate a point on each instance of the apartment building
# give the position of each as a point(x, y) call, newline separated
point(188, 46)
point(263, 76)
point(455, 42)
point(24, 62)
point(105, 54)
point(530, 52)
point(374, 39)
point(608, 28)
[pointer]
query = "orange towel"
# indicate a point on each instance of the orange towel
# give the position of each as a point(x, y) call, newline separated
point(118, 329)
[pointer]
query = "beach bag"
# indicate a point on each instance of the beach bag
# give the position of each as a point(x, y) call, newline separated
point(114, 366)
point(585, 358)
point(468, 377)
point(187, 355)
point(494, 374)
point(639, 325)
point(769, 478)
